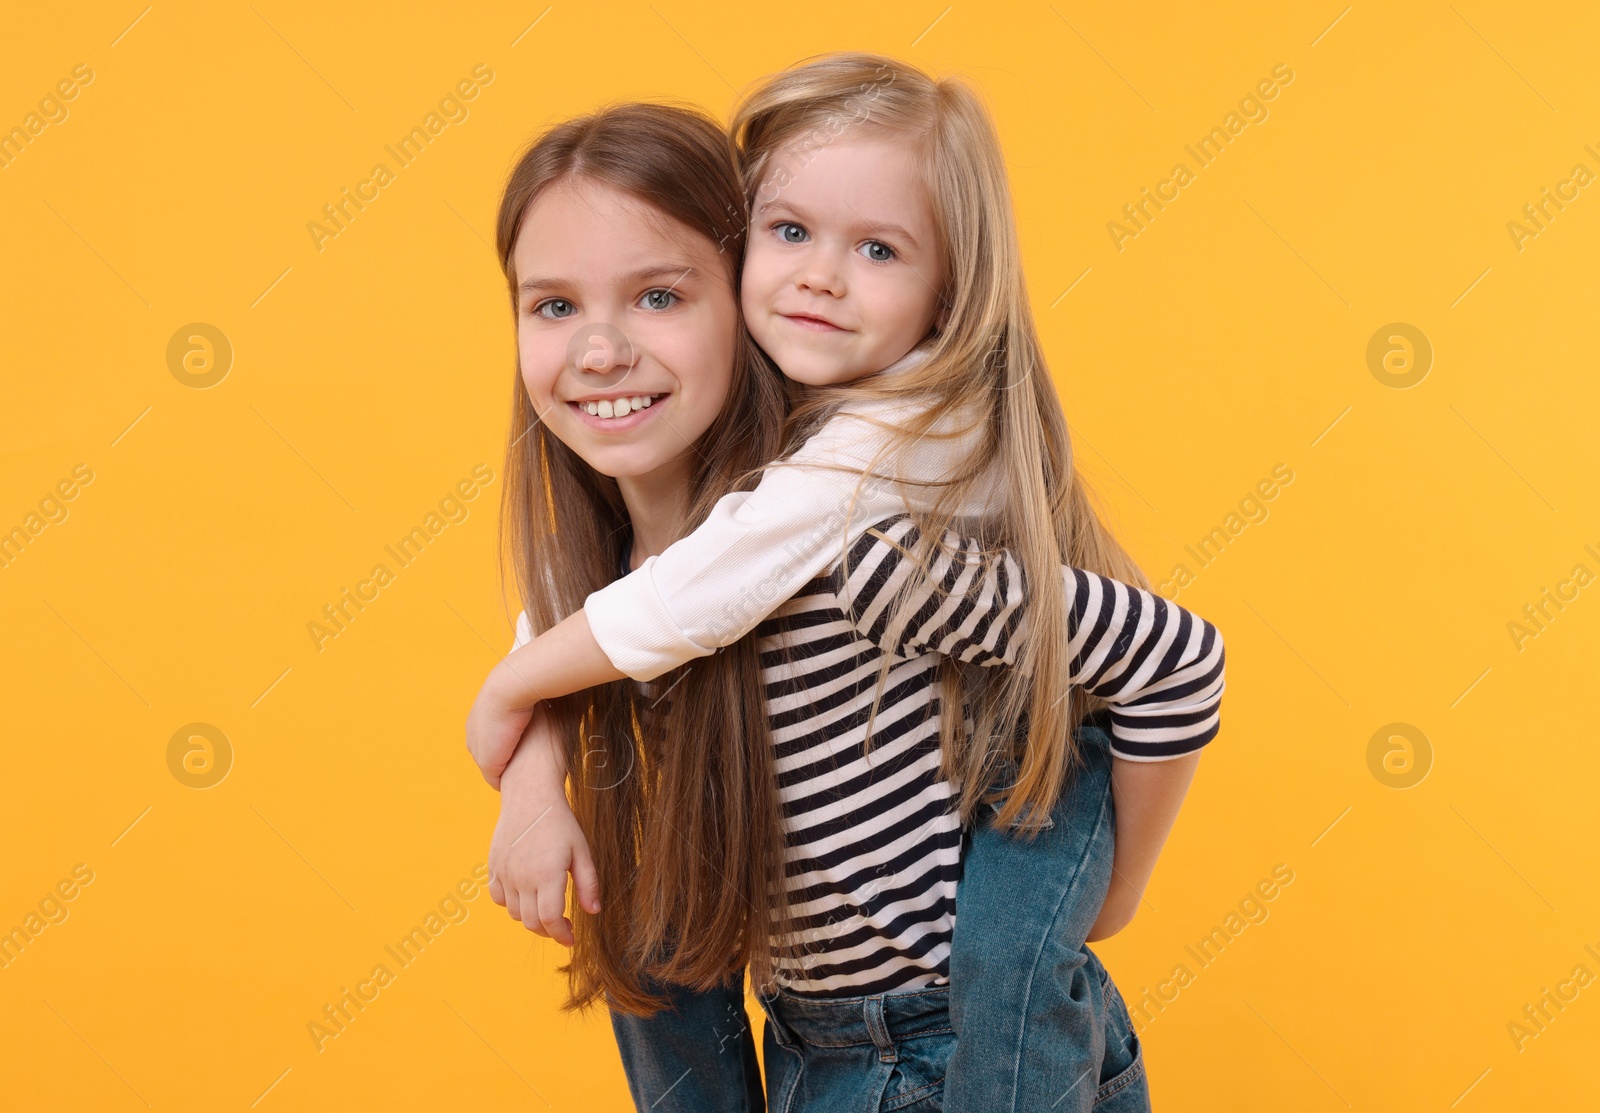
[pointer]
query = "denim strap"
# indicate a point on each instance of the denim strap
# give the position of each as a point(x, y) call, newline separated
point(872, 1010)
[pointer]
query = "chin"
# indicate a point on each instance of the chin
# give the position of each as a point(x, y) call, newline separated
point(811, 372)
point(631, 459)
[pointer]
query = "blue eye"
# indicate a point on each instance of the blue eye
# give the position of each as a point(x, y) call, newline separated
point(555, 308)
point(877, 252)
point(790, 232)
point(659, 299)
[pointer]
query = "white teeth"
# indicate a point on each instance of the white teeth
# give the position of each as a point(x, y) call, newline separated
point(619, 407)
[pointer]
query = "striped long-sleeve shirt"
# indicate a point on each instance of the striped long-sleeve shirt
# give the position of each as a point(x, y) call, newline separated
point(872, 834)
point(873, 837)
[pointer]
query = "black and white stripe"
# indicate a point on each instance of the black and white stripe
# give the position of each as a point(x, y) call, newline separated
point(872, 834)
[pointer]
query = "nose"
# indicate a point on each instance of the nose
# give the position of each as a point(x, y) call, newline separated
point(821, 273)
point(600, 349)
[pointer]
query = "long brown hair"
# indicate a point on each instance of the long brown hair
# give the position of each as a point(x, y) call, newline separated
point(986, 366)
point(675, 792)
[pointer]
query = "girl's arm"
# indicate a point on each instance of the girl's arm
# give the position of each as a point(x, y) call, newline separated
point(1158, 665)
point(753, 552)
point(757, 549)
point(1147, 796)
point(562, 660)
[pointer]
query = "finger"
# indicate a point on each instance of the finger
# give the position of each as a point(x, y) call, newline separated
point(530, 905)
point(552, 904)
point(492, 762)
point(497, 891)
point(524, 908)
point(585, 881)
point(486, 767)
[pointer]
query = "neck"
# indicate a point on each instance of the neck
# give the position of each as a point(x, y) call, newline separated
point(658, 507)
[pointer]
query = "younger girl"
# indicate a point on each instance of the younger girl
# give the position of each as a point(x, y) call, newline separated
point(882, 273)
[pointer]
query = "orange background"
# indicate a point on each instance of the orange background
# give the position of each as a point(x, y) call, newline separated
point(1370, 598)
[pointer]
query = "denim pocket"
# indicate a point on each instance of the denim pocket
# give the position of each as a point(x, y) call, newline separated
point(1122, 1083)
point(1126, 1092)
point(916, 1085)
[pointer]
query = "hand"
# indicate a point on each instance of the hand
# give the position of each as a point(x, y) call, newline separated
point(564, 659)
point(536, 843)
point(1121, 903)
point(494, 726)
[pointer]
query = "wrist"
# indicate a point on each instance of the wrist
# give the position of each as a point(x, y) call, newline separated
point(509, 688)
point(533, 781)
point(537, 767)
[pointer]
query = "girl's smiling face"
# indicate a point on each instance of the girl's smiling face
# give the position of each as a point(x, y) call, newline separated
point(627, 326)
point(844, 266)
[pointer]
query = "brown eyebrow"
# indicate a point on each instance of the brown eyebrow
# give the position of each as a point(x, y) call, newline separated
point(884, 226)
point(896, 230)
point(675, 272)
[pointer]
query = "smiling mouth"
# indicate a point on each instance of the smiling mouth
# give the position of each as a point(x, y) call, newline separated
point(816, 323)
point(613, 408)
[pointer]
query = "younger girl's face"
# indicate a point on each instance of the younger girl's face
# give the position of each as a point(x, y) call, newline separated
point(844, 265)
point(627, 326)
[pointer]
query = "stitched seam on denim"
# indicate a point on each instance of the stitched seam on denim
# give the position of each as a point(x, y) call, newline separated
point(781, 1034)
point(1128, 1077)
point(930, 991)
point(787, 1105)
point(901, 1035)
point(1033, 971)
point(878, 1026)
point(825, 1043)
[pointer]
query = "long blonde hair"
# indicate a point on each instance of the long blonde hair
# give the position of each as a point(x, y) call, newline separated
point(678, 801)
point(985, 359)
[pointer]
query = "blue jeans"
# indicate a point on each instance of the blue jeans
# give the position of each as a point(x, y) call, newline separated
point(1040, 1024)
point(886, 1052)
point(696, 1056)
point(1123, 1087)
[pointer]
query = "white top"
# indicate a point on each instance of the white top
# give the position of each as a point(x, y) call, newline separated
point(756, 549)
